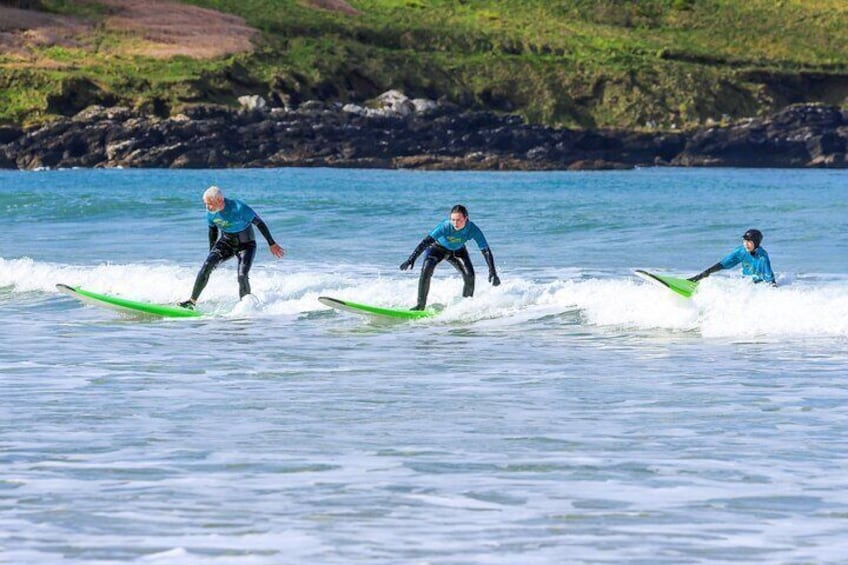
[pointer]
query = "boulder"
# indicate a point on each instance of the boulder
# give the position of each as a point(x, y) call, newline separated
point(392, 103)
point(252, 102)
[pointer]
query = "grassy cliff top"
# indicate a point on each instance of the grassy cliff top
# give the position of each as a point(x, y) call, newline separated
point(598, 63)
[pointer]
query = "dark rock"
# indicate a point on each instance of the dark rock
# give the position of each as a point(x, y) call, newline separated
point(444, 137)
point(76, 94)
point(793, 137)
point(9, 134)
point(7, 161)
point(597, 165)
point(801, 115)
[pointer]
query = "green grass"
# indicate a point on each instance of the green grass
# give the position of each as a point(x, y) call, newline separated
point(588, 63)
point(88, 10)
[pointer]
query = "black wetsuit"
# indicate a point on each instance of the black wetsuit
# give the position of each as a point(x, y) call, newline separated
point(240, 244)
point(445, 242)
point(459, 258)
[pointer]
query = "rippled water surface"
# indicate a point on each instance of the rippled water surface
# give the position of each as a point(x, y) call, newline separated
point(574, 414)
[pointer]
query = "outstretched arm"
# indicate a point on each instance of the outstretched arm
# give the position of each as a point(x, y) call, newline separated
point(704, 274)
point(425, 243)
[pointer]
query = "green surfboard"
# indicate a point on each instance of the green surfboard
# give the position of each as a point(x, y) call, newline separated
point(683, 287)
point(375, 311)
point(127, 306)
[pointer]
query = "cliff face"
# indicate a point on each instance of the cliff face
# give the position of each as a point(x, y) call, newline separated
point(403, 134)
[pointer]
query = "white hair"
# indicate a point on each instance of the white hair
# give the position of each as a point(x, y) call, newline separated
point(212, 193)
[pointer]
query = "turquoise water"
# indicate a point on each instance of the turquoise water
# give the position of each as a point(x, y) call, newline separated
point(573, 414)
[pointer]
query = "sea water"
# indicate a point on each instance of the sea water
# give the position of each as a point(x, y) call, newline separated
point(574, 414)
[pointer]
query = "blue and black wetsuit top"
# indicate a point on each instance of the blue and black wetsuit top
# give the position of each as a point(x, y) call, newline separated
point(236, 220)
point(755, 264)
point(452, 239)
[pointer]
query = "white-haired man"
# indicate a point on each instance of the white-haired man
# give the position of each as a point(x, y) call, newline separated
point(233, 220)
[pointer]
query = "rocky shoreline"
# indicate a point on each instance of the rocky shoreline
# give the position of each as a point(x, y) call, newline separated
point(397, 132)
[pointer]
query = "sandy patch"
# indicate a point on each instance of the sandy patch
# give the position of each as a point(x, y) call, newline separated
point(333, 6)
point(156, 28)
point(169, 29)
point(21, 30)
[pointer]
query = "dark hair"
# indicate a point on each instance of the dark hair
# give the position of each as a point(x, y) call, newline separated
point(461, 209)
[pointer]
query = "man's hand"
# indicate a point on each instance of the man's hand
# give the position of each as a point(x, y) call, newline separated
point(277, 251)
point(494, 279)
point(406, 265)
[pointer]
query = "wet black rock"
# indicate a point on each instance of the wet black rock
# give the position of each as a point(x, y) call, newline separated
point(410, 134)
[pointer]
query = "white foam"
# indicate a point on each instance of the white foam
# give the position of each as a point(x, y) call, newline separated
point(722, 307)
point(735, 307)
point(159, 282)
point(809, 305)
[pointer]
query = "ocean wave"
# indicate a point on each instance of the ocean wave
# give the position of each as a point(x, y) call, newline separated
point(724, 306)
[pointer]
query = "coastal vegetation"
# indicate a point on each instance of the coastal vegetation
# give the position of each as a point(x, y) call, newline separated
point(646, 64)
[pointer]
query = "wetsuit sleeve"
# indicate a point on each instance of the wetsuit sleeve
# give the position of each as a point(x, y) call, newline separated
point(425, 243)
point(213, 235)
point(490, 259)
point(704, 274)
point(263, 229)
point(245, 212)
point(478, 236)
point(733, 259)
point(768, 274)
